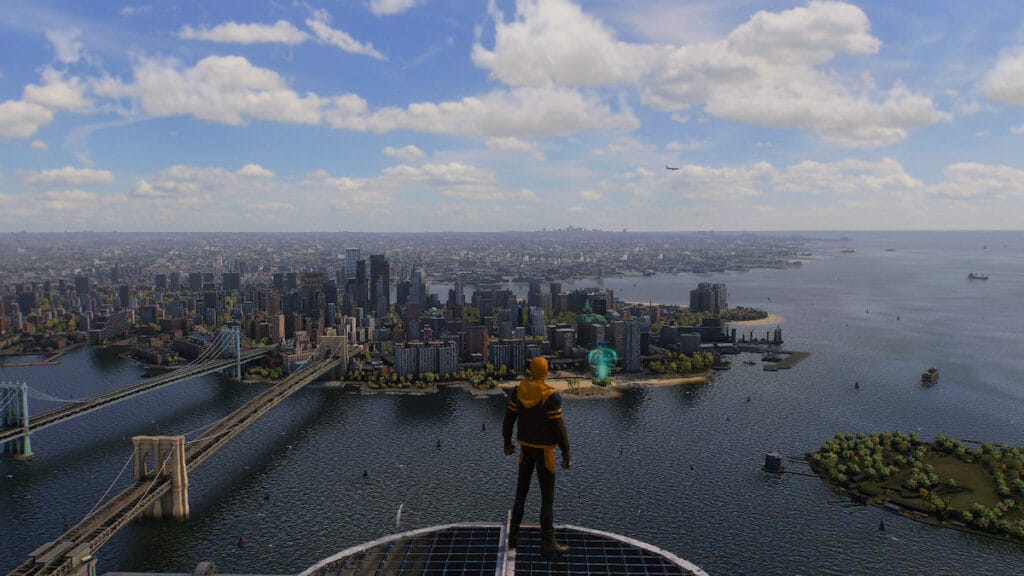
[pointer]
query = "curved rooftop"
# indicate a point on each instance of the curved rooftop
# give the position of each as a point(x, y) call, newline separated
point(481, 549)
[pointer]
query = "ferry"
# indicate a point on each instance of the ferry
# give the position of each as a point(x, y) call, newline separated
point(930, 377)
point(976, 276)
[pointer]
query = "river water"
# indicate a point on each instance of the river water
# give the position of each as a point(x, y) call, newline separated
point(677, 467)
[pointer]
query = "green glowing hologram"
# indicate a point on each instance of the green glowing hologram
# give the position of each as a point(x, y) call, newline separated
point(601, 360)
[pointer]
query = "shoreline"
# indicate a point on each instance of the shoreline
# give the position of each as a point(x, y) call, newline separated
point(559, 382)
point(771, 319)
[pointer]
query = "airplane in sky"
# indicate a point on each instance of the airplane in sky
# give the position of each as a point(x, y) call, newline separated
point(667, 167)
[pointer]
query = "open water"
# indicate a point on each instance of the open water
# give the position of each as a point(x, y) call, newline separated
point(677, 467)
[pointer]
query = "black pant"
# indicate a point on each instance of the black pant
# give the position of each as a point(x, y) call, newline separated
point(534, 458)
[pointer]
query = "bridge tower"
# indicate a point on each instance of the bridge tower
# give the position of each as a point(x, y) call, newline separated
point(14, 399)
point(232, 336)
point(168, 459)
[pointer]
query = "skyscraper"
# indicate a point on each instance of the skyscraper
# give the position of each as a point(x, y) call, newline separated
point(349, 266)
point(708, 297)
point(631, 345)
point(380, 285)
point(82, 285)
point(360, 284)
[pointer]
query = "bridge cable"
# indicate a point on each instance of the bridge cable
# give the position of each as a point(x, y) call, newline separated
point(10, 399)
point(111, 487)
point(40, 395)
point(200, 428)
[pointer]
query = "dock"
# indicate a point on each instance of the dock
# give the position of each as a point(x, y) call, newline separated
point(51, 361)
point(791, 359)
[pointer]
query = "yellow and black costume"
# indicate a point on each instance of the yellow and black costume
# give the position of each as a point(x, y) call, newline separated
point(538, 407)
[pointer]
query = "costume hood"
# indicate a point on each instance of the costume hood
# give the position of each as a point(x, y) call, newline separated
point(534, 391)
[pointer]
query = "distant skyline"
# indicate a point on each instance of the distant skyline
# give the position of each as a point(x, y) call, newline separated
point(428, 115)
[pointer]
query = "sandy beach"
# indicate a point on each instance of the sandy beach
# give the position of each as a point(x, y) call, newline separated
point(587, 391)
point(771, 319)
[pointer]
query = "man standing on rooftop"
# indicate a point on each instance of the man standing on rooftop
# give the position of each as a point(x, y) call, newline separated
point(538, 407)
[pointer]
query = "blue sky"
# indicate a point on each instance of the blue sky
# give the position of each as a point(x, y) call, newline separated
point(422, 115)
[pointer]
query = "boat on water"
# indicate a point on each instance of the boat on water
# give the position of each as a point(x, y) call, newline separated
point(749, 363)
point(771, 358)
point(931, 376)
point(976, 276)
point(847, 251)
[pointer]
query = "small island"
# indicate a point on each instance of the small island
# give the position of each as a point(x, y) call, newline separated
point(943, 482)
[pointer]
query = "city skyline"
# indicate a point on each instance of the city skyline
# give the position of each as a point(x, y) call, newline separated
point(430, 115)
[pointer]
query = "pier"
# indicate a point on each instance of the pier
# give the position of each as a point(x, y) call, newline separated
point(791, 359)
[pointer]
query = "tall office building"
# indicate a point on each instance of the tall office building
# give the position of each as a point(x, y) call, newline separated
point(360, 286)
point(631, 346)
point(708, 297)
point(124, 296)
point(82, 285)
point(457, 295)
point(380, 285)
point(417, 289)
point(174, 281)
point(195, 282)
point(231, 281)
point(349, 265)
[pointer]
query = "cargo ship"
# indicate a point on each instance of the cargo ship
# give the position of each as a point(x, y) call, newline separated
point(975, 276)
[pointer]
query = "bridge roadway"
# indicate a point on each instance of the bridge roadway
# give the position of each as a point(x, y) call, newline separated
point(56, 558)
point(36, 423)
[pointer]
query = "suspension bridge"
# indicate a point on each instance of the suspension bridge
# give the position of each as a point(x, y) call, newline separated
point(161, 490)
point(16, 425)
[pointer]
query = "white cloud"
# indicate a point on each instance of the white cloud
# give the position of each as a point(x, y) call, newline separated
point(408, 153)
point(22, 119)
point(765, 72)
point(67, 200)
point(68, 175)
point(66, 45)
point(1005, 82)
point(133, 10)
point(39, 145)
point(224, 89)
point(689, 145)
point(58, 92)
point(280, 32)
point(441, 174)
point(319, 23)
point(510, 144)
point(392, 7)
point(1018, 129)
point(848, 177)
point(521, 112)
point(274, 207)
point(255, 171)
point(974, 180)
point(720, 184)
point(220, 191)
point(591, 195)
point(554, 43)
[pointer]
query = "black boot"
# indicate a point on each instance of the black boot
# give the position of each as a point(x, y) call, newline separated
point(513, 536)
point(548, 544)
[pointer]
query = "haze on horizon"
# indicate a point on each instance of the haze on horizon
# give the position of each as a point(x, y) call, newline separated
point(434, 115)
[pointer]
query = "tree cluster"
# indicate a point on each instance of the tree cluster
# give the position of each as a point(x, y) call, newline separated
point(900, 461)
point(679, 363)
